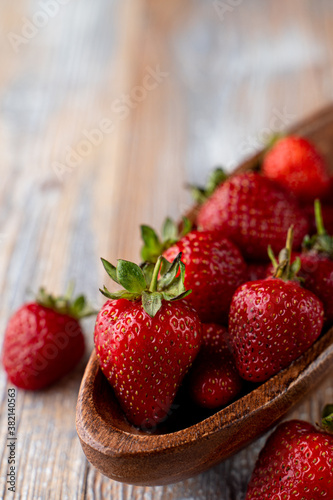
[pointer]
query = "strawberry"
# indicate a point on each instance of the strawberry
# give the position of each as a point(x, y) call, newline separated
point(273, 321)
point(146, 340)
point(44, 341)
point(296, 462)
point(295, 163)
point(317, 265)
point(327, 214)
point(253, 212)
point(214, 380)
point(327, 200)
point(214, 269)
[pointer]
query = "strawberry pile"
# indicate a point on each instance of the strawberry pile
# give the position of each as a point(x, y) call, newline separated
point(205, 312)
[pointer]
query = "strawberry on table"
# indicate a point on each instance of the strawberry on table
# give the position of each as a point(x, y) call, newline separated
point(154, 246)
point(295, 163)
point(44, 341)
point(273, 321)
point(254, 212)
point(147, 337)
point(296, 462)
point(214, 380)
point(317, 265)
point(214, 268)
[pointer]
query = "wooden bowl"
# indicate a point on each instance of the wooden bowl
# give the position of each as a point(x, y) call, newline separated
point(192, 441)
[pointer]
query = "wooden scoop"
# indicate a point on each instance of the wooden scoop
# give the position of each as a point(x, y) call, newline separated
point(191, 441)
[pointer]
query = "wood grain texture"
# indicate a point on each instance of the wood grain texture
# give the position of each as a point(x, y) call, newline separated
point(234, 76)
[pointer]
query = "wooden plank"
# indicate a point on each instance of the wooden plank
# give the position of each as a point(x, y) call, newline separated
point(233, 76)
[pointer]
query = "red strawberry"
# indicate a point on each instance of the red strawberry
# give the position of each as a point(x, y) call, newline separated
point(44, 341)
point(273, 321)
point(214, 380)
point(214, 269)
point(317, 265)
point(296, 462)
point(145, 341)
point(256, 270)
point(253, 212)
point(296, 164)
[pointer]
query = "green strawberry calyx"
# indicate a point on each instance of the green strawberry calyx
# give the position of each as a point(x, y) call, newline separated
point(154, 246)
point(77, 307)
point(322, 242)
point(327, 418)
point(152, 283)
point(283, 267)
point(215, 179)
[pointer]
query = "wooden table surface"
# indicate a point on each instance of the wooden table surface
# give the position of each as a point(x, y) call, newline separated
point(108, 109)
